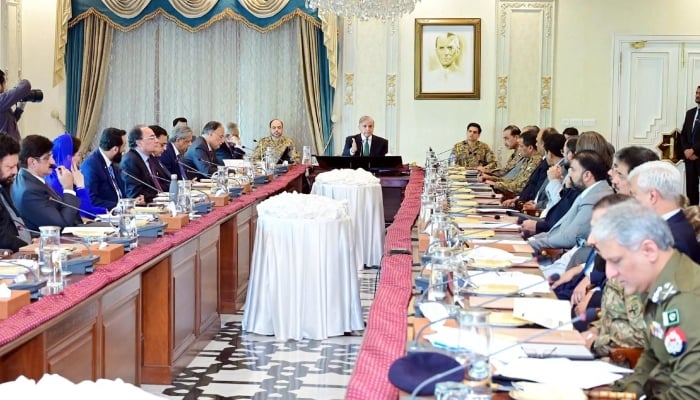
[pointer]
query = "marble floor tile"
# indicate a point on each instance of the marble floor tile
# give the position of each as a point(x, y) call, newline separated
point(239, 365)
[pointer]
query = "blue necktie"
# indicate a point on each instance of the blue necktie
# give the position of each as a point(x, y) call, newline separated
point(114, 181)
point(183, 174)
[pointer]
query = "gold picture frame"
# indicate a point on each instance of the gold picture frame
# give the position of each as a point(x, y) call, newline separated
point(447, 58)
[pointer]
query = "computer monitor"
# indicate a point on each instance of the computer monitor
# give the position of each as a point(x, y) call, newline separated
point(373, 164)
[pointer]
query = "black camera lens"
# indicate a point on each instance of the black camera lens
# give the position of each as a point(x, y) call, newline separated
point(34, 96)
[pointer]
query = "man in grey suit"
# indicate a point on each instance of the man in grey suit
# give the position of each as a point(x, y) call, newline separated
point(589, 172)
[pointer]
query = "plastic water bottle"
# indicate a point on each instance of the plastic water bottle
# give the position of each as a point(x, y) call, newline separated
point(172, 191)
point(453, 159)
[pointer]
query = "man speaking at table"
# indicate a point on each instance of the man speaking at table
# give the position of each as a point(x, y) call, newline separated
point(365, 143)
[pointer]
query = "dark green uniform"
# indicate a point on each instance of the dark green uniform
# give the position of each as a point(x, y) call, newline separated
point(669, 367)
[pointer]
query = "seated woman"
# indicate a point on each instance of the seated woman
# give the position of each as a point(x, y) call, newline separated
point(65, 153)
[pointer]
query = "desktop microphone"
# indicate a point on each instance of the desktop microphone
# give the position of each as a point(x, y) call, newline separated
point(194, 170)
point(26, 268)
point(68, 240)
point(140, 181)
point(587, 316)
point(209, 162)
point(452, 313)
point(71, 206)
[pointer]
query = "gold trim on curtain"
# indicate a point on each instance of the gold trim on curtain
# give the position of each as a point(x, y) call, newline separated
point(228, 13)
point(193, 8)
point(97, 48)
point(126, 9)
point(63, 15)
point(264, 8)
point(329, 26)
point(308, 42)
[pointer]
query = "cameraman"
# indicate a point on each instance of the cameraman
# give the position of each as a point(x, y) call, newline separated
point(9, 117)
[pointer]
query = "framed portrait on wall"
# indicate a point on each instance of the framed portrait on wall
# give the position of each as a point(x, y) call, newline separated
point(447, 58)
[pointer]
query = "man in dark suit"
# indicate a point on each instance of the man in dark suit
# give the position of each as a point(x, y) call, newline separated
point(163, 174)
point(101, 169)
point(365, 143)
point(229, 149)
point(658, 185)
point(13, 234)
point(138, 168)
point(32, 196)
point(690, 143)
point(173, 158)
point(201, 155)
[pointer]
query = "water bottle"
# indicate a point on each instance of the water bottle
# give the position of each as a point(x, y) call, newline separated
point(172, 192)
point(453, 160)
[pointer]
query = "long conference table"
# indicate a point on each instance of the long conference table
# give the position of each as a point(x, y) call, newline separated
point(145, 316)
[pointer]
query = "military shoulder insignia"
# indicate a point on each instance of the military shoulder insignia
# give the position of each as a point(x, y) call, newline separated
point(663, 292)
point(675, 341)
point(656, 330)
point(671, 318)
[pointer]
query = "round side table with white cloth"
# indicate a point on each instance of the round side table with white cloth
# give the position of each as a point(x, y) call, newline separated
point(303, 278)
point(363, 192)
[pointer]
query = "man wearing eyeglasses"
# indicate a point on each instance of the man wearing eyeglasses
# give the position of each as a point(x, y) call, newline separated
point(201, 156)
point(137, 167)
point(37, 203)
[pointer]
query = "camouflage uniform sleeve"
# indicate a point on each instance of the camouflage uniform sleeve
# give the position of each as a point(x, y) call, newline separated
point(517, 184)
point(622, 321)
point(257, 153)
point(293, 154)
point(490, 161)
point(460, 152)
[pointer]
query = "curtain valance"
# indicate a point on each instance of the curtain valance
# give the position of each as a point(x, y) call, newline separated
point(193, 15)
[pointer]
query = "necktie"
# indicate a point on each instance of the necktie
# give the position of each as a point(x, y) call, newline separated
point(183, 173)
point(588, 267)
point(365, 148)
point(696, 127)
point(19, 223)
point(114, 181)
point(154, 176)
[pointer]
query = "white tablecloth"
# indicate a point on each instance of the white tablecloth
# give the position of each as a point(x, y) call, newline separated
point(303, 281)
point(366, 208)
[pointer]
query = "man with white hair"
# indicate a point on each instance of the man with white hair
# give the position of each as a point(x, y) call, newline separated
point(638, 249)
point(658, 185)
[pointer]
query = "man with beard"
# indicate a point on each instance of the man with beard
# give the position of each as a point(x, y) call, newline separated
point(588, 172)
point(282, 146)
point(13, 234)
point(101, 169)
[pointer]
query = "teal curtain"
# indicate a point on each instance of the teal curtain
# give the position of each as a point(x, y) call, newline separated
point(327, 93)
point(222, 9)
point(74, 75)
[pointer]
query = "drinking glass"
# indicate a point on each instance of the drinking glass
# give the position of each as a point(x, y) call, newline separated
point(306, 155)
point(49, 239)
point(184, 197)
point(473, 349)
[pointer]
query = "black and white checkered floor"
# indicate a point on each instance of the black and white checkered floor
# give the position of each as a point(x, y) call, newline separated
point(237, 365)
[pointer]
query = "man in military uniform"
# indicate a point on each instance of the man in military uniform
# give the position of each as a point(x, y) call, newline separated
point(472, 153)
point(527, 147)
point(638, 248)
point(283, 147)
point(511, 133)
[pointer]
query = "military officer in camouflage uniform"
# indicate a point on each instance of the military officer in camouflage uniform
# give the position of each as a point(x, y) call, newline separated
point(637, 245)
point(279, 143)
point(472, 153)
point(528, 150)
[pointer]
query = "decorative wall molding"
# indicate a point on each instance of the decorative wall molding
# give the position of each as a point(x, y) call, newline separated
point(349, 88)
point(524, 63)
point(391, 90)
point(502, 92)
point(546, 93)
